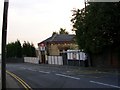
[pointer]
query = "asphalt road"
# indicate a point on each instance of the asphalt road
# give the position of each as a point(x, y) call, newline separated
point(45, 76)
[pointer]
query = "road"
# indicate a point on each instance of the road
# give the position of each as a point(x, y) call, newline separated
point(45, 76)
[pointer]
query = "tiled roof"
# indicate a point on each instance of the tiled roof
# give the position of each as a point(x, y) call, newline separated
point(59, 38)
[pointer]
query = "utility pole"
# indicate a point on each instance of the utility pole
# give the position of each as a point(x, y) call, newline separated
point(4, 37)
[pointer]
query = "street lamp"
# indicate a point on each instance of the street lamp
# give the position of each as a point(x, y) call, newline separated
point(4, 36)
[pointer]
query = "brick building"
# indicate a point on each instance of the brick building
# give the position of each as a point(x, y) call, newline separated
point(55, 45)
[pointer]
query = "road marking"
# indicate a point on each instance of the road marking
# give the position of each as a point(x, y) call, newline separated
point(68, 76)
point(31, 69)
point(88, 76)
point(23, 83)
point(44, 72)
point(38, 71)
point(23, 68)
point(104, 84)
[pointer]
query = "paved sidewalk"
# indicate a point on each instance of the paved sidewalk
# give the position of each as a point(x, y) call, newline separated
point(92, 72)
point(10, 82)
point(86, 69)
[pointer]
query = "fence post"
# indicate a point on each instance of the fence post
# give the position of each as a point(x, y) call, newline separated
point(79, 58)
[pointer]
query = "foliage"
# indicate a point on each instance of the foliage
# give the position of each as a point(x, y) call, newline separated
point(15, 49)
point(28, 49)
point(97, 26)
point(10, 50)
point(54, 33)
point(61, 31)
point(18, 49)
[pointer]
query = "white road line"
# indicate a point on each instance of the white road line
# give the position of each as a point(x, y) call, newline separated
point(31, 70)
point(104, 84)
point(88, 76)
point(81, 75)
point(68, 76)
point(23, 68)
point(36, 70)
point(44, 72)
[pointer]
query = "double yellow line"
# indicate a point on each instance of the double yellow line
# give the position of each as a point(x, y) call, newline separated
point(23, 83)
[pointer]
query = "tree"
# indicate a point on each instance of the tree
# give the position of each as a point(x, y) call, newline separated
point(28, 49)
point(63, 31)
point(98, 27)
point(25, 49)
point(10, 50)
point(33, 50)
point(14, 49)
point(18, 49)
point(54, 33)
point(78, 26)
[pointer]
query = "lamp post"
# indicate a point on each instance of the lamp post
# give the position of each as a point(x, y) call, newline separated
point(4, 37)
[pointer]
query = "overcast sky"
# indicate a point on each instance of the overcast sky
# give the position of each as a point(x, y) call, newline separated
point(35, 20)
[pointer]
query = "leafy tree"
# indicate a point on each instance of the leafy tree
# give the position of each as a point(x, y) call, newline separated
point(33, 51)
point(14, 49)
point(54, 33)
point(10, 49)
point(97, 26)
point(18, 49)
point(28, 49)
point(63, 31)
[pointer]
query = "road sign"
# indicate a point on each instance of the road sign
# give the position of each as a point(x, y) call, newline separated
point(42, 47)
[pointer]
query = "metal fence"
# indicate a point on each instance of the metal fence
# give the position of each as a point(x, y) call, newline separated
point(75, 58)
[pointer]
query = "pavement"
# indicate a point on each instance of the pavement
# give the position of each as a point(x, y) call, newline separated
point(10, 82)
point(77, 69)
point(13, 83)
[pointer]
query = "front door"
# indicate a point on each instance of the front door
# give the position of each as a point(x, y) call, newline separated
point(43, 56)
